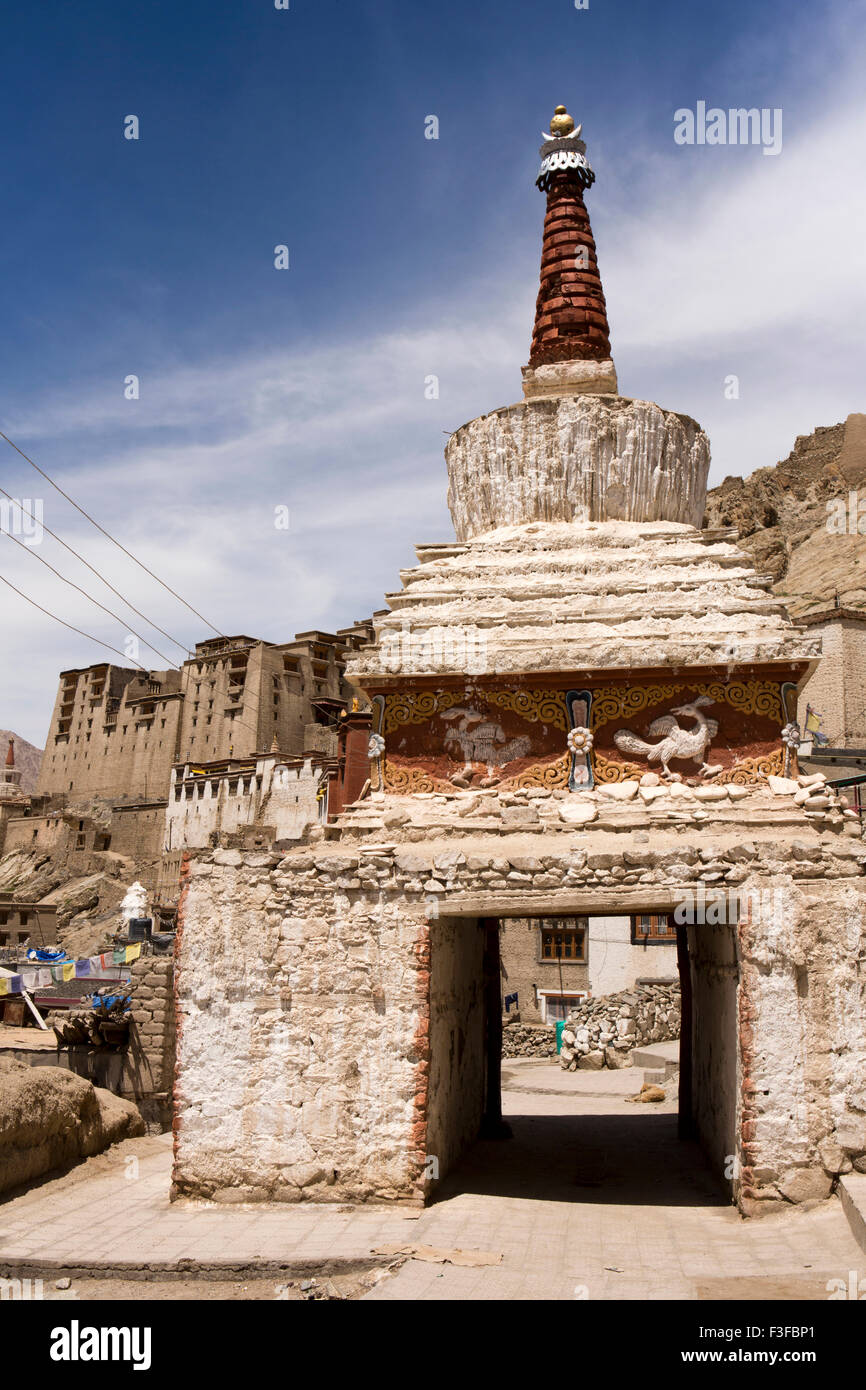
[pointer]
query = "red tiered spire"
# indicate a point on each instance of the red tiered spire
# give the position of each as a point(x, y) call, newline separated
point(10, 754)
point(570, 313)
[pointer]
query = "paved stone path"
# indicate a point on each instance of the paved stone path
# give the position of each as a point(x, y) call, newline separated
point(592, 1198)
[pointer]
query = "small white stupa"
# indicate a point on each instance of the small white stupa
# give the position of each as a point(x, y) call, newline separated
point(135, 902)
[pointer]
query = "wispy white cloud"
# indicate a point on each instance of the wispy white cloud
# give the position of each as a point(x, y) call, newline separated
point(716, 262)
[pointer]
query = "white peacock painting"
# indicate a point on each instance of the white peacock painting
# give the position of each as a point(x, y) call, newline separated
point(675, 742)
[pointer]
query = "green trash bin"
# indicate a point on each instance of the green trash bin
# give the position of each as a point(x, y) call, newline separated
point(560, 1024)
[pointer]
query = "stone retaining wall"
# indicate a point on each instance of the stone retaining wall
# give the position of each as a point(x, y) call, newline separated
point(528, 1040)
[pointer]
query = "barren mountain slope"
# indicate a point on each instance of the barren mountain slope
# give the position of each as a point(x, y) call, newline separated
point(783, 522)
point(27, 758)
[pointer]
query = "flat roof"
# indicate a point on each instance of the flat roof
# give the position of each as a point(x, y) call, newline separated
point(98, 666)
point(222, 642)
point(829, 615)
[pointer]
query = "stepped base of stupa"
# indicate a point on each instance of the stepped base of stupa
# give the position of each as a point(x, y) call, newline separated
point(578, 598)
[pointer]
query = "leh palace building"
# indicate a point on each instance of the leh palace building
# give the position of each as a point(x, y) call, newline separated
point(583, 705)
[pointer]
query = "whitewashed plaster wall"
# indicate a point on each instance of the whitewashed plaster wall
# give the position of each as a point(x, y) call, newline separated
point(616, 963)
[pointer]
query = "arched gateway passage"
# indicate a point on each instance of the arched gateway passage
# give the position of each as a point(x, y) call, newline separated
point(636, 1152)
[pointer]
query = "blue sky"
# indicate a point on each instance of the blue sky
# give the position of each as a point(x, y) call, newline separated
point(409, 257)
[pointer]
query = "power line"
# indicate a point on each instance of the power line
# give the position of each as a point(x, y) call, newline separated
point(93, 600)
point(107, 534)
point(49, 614)
point(99, 576)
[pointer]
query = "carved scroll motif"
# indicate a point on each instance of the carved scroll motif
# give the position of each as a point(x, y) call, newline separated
point(416, 707)
point(607, 772)
point(753, 770)
point(405, 780)
point(618, 702)
point(547, 775)
point(747, 697)
point(537, 706)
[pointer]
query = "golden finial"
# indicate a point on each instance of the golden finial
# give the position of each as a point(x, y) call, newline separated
point(562, 123)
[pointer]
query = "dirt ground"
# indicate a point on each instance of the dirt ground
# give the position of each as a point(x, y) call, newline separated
point(333, 1288)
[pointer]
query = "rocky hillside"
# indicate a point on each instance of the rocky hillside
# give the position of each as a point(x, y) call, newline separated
point(782, 517)
point(88, 905)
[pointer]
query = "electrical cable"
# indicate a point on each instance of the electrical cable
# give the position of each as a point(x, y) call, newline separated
point(99, 576)
point(93, 600)
point(63, 622)
point(108, 535)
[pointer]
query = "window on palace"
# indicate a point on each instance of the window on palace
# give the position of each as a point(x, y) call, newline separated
point(650, 926)
point(563, 943)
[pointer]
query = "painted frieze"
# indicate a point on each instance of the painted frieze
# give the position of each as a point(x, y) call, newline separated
point(480, 736)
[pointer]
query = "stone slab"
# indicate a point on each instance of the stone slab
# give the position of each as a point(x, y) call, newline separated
point(852, 1191)
point(661, 1056)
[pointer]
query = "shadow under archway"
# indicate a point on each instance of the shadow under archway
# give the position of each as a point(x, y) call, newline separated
point(634, 1159)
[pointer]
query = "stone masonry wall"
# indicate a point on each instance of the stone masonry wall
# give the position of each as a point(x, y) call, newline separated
point(304, 988)
point(148, 1069)
point(713, 961)
point(528, 1039)
point(651, 1011)
point(457, 1052)
point(802, 1031)
point(304, 1028)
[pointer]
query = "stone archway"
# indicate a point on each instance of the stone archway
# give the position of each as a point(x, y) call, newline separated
point(463, 1096)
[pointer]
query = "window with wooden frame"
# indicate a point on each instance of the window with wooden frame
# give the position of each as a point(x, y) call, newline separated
point(564, 940)
point(653, 928)
point(557, 1006)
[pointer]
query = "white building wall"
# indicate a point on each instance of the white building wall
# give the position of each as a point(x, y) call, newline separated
point(615, 962)
point(294, 802)
point(286, 798)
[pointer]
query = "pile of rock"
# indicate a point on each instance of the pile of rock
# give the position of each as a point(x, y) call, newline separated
point(819, 801)
point(528, 1040)
point(603, 1032)
point(637, 801)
